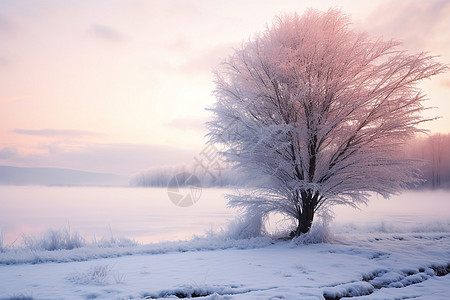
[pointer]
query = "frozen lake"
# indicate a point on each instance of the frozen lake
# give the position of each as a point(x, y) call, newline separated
point(148, 215)
point(145, 214)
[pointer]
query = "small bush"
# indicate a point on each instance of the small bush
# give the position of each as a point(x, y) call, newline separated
point(5, 248)
point(53, 239)
point(246, 226)
point(2, 248)
point(319, 233)
point(115, 242)
point(98, 275)
point(20, 297)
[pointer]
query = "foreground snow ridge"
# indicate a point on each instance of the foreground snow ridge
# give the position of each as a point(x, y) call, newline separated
point(384, 279)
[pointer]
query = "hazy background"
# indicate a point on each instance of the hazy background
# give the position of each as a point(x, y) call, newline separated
point(121, 86)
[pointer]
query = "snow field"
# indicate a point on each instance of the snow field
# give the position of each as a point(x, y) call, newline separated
point(360, 266)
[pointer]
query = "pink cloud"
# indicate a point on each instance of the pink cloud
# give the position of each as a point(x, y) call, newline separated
point(6, 26)
point(106, 33)
point(56, 132)
point(7, 153)
point(4, 62)
point(417, 23)
point(198, 62)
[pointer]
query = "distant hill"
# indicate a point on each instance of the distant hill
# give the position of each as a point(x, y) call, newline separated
point(57, 176)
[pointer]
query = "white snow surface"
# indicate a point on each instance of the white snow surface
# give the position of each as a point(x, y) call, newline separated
point(377, 265)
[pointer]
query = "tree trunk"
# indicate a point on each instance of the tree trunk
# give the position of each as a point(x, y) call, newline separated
point(305, 222)
point(309, 202)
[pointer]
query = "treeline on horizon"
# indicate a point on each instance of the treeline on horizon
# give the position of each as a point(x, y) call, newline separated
point(432, 150)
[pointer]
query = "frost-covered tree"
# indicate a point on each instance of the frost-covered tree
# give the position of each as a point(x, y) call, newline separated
point(319, 111)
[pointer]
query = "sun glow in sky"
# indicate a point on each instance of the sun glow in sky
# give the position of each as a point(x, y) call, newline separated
point(121, 86)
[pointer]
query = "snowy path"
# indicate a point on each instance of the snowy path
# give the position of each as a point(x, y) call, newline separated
point(378, 266)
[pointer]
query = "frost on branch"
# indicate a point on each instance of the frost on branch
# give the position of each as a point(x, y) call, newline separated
point(320, 112)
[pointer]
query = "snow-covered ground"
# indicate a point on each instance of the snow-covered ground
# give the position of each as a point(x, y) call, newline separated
point(388, 251)
point(375, 265)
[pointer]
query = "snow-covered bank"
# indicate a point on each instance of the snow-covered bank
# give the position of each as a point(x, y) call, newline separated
point(374, 266)
point(92, 251)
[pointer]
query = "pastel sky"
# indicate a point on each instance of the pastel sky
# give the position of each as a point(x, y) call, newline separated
point(121, 86)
